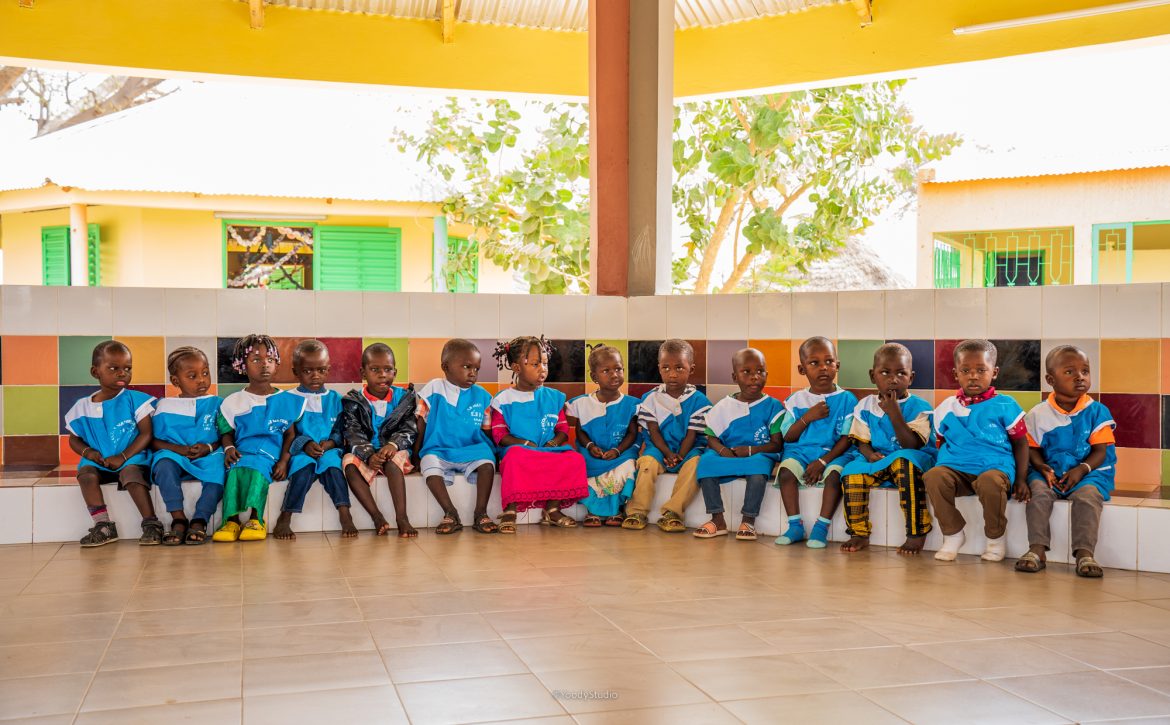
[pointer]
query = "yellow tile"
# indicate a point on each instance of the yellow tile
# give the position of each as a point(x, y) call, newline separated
point(150, 359)
point(1130, 366)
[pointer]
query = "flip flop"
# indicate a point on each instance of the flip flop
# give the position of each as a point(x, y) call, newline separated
point(709, 531)
point(746, 532)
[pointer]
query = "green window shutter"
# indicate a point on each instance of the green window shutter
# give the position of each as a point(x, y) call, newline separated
point(55, 256)
point(94, 255)
point(359, 258)
point(466, 277)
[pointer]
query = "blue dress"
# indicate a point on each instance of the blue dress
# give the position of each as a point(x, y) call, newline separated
point(821, 435)
point(675, 418)
point(187, 422)
point(871, 425)
point(975, 438)
point(259, 423)
point(316, 424)
point(531, 415)
point(736, 423)
point(111, 425)
point(1066, 438)
point(611, 483)
point(457, 422)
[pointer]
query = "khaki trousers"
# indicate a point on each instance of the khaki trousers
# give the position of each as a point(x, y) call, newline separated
point(1087, 503)
point(686, 487)
point(944, 484)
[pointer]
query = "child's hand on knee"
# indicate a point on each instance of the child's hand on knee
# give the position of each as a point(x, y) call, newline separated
point(1021, 491)
point(313, 449)
point(813, 472)
point(230, 456)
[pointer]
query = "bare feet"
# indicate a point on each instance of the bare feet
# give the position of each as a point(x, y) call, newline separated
point(381, 525)
point(283, 529)
point(912, 546)
point(405, 530)
point(348, 530)
point(856, 543)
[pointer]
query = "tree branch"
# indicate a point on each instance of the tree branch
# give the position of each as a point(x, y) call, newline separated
point(9, 75)
point(737, 274)
point(703, 281)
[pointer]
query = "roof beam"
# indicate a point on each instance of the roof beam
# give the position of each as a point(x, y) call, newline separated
point(448, 18)
point(864, 10)
point(256, 14)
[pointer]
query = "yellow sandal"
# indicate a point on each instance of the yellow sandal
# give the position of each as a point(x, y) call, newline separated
point(254, 531)
point(229, 532)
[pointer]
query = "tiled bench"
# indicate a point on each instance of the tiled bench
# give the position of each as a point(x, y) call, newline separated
point(45, 506)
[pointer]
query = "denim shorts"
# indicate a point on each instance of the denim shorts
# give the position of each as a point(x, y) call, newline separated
point(432, 465)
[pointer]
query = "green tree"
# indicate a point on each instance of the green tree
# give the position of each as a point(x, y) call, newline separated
point(793, 175)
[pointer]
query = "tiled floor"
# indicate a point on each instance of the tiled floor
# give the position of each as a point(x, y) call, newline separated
point(568, 626)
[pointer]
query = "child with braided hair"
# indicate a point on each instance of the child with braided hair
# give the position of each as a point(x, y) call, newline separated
point(257, 426)
point(529, 425)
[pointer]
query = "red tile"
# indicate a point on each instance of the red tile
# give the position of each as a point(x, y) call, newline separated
point(345, 359)
point(31, 450)
point(1138, 419)
point(944, 364)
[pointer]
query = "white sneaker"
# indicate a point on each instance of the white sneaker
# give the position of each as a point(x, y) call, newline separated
point(950, 547)
point(996, 549)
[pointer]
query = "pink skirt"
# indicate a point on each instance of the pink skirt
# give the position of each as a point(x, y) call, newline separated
point(531, 477)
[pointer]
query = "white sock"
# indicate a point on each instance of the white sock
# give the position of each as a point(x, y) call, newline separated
point(996, 549)
point(950, 547)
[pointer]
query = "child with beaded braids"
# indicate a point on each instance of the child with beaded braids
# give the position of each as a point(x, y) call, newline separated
point(529, 426)
point(257, 427)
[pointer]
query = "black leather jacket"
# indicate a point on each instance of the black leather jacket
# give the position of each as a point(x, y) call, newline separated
point(356, 424)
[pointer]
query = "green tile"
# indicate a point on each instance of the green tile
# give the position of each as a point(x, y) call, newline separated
point(225, 389)
point(622, 345)
point(856, 359)
point(75, 353)
point(1027, 400)
point(30, 410)
point(1165, 473)
point(401, 348)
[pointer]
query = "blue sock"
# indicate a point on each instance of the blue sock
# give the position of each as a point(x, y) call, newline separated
point(820, 533)
point(794, 533)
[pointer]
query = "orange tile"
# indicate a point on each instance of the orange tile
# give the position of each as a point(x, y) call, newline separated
point(1165, 366)
point(941, 395)
point(778, 354)
point(68, 457)
point(29, 360)
point(150, 359)
point(1130, 366)
point(425, 359)
point(1139, 468)
point(492, 388)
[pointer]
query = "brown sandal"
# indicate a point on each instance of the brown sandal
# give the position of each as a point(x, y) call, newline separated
point(484, 525)
point(507, 522)
point(449, 525)
point(564, 522)
point(592, 522)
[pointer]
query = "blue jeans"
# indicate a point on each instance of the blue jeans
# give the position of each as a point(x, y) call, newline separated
point(753, 497)
point(332, 480)
point(169, 477)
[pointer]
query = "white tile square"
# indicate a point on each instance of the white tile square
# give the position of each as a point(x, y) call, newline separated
point(1092, 348)
point(1011, 313)
point(1131, 310)
point(521, 315)
point(16, 515)
point(291, 313)
point(770, 316)
point(564, 316)
point(879, 520)
point(813, 314)
point(1071, 311)
point(340, 313)
point(1017, 529)
point(728, 317)
point(140, 311)
point(192, 312)
point(29, 310)
point(1153, 534)
point(910, 314)
point(1166, 310)
point(861, 316)
point(85, 311)
point(241, 312)
point(605, 318)
point(432, 314)
point(477, 316)
point(207, 344)
point(385, 314)
point(960, 313)
point(686, 317)
point(1117, 541)
point(647, 318)
point(59, 514)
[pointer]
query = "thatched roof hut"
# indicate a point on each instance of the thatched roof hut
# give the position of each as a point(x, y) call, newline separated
point(856, 267)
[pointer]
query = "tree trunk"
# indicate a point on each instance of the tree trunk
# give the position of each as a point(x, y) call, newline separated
point(126, 95)
point(737, 274)
point(9, 75)
point(726, 214)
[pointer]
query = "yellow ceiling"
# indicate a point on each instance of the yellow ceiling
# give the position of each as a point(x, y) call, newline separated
point(820, 44)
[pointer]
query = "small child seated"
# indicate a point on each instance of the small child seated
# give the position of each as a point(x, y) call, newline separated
point(983, 447)
point(186, 446)
point(454, 429)
point(378, 427)
point(743, 440)
point(607, 431)
point(672, 420)
point(895, 440)
point(1074, 457)
point(316, 450)
point(816, 441)
point(257, 427)
point(111, 430)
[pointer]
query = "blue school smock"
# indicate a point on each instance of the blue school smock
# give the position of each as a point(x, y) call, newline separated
point(111, 425)
point(316, 424)
point(531, 415)
point(259, 423)
point(821, 435)
point(187, 422)
point(871, 425)
point(975, 437)
point(382, 408)
point(1066, 437)
point(675, 418)
point(606, 424)
point(736, 423)
point(455, 419)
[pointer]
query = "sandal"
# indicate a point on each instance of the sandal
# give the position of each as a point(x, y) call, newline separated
point(672, 523)
point(564, 522)
point(449, 525)
point(746, 532)
point(177, 535)
point(1031, 563)
point(507, 522)
point(484, 525)
point(195, 537)
point(636, 522)
point(613, 521)
point(1088, 567)
point(592, 522)
point(709, 531)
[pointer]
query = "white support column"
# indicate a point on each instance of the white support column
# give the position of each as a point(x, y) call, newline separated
point(439, 255)
point(1083, 253)
point(78, 246)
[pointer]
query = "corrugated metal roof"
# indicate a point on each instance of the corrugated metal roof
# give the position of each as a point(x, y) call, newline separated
point(570, 15)
point(979, 165)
